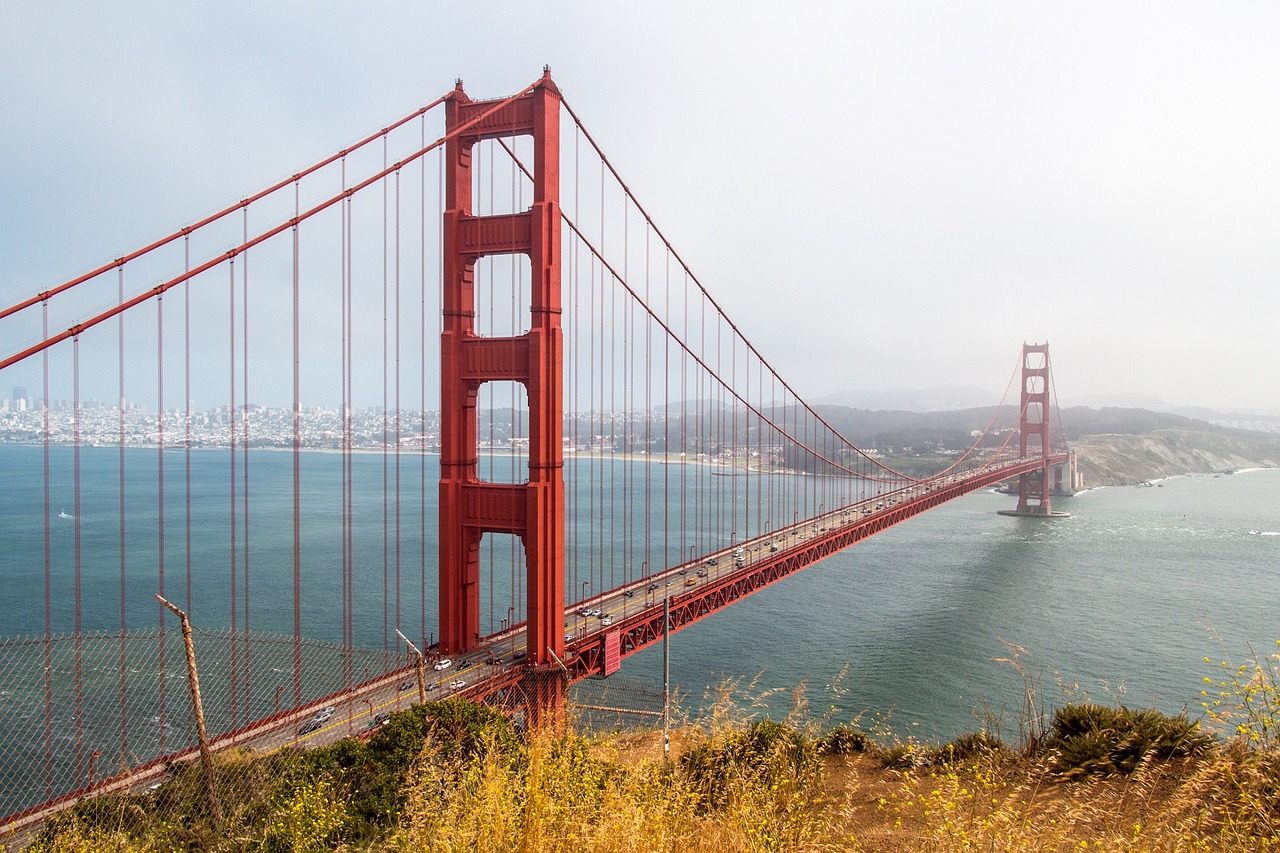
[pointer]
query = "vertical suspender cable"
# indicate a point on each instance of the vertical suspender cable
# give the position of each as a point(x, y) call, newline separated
point(397, 398)
point(386, 511)
point(186, 343)
point(421, 414)
point(344, 412)
point(48, 575)
point(518, 463)
point(79, 662)
point(120, 407)
point(244, 423)
point(297, 456)
point(348, 438)
point(348, 590)
point(666, 418)
point(485, 176)
point(231, 413)
point(648, 404)
point(684, 426)
point(160, 551)
point(574, 349)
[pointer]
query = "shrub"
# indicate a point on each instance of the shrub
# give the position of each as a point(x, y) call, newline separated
point(766, 753)
point(1087, 738)
point(372, 775)
point(901, 756)
point(967, 747)
point(843, 740)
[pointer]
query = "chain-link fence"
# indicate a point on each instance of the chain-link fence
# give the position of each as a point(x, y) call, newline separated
point(76, 710)
point(616, 703)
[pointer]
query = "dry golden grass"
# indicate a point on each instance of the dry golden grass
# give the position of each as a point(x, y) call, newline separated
point(1095, 778)
point(1000, 802)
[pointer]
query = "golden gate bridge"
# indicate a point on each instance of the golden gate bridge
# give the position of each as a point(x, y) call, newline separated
point(548, 447)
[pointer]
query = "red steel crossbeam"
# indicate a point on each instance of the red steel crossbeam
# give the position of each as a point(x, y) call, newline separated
point(587, 656)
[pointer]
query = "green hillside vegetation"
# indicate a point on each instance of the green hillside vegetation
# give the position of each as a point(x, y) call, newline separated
point(455, 776)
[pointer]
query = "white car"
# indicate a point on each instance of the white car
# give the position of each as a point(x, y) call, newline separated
point(606, 621)
point(323, 716)
point(457, 684)
point(443, 663)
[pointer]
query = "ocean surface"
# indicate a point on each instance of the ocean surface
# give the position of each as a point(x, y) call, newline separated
point(1121, 602)
point(912, 629)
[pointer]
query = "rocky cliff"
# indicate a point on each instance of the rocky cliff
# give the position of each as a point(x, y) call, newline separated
point(1111, 460)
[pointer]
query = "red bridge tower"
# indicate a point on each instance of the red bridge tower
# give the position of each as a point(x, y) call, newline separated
point(469, 508)
point(1033, 429)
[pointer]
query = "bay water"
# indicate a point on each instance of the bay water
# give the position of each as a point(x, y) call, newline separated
point(912, 629)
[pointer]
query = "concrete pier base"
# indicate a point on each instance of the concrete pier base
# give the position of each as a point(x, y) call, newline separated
point(1033, 512)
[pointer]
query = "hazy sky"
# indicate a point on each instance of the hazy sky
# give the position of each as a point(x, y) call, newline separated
point(890, 194)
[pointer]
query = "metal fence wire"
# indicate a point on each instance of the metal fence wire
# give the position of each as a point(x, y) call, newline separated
point(78, 709)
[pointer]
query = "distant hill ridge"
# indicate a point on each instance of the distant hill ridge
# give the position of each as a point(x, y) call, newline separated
point(1115, 445)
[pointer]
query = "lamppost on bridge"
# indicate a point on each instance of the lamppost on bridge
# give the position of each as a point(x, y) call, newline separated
point(370, 704)
point(278, 689)
point(92, 757)
point(511, 624)
point(692, 548)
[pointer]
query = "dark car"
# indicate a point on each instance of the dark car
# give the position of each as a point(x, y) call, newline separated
point(310, 726)
point(652, 587)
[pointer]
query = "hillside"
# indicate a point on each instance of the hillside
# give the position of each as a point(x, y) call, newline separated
point(1112, 459)
point(1117, 446)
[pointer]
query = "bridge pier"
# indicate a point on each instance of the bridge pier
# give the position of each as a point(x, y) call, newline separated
point(1064, 476)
